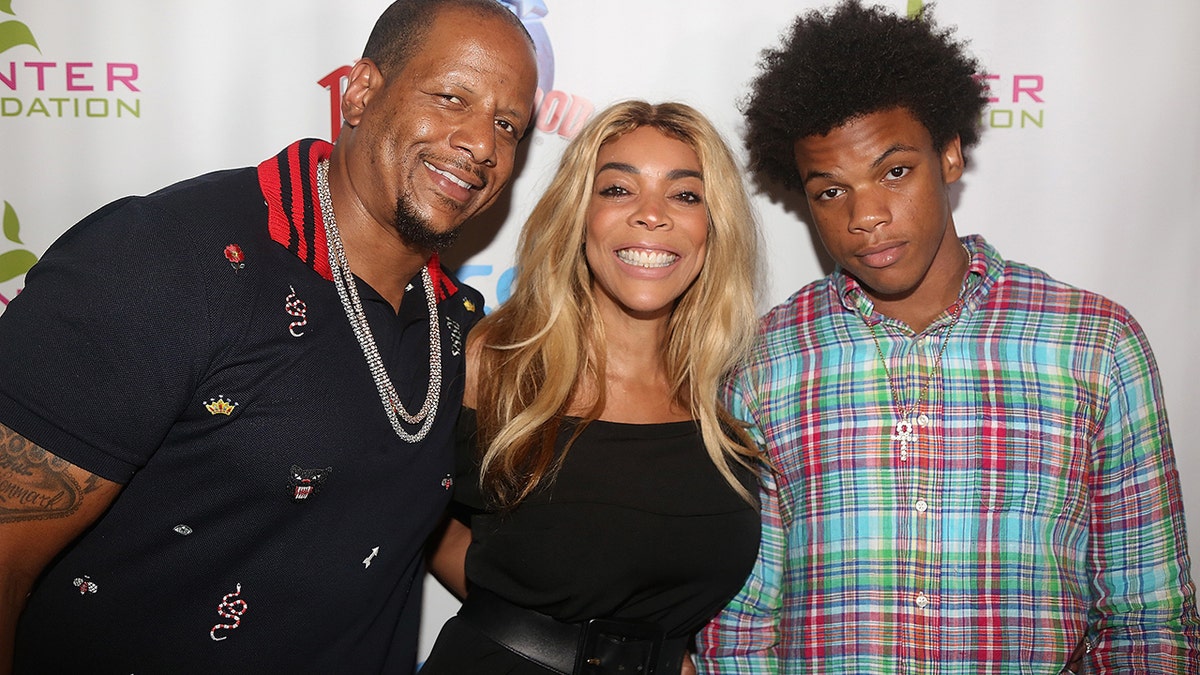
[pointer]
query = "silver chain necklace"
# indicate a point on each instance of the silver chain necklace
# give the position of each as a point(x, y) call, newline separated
point(906, 428)
point(343, 279)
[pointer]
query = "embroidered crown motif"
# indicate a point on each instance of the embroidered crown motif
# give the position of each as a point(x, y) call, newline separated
point(220, 406)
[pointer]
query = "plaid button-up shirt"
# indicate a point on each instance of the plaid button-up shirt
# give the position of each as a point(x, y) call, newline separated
point(1033, 517)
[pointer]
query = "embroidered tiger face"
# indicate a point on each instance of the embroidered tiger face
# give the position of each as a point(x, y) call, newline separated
point(304, 482)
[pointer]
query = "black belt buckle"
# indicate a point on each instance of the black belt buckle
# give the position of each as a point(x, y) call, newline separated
point(608, 647)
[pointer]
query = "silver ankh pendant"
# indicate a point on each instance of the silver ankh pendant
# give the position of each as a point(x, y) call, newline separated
point(906, 432)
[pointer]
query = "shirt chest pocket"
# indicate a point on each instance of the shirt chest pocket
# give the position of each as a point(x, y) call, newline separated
point(1034, 461)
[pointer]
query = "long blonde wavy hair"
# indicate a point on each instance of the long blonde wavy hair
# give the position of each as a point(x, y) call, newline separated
point(537, 349)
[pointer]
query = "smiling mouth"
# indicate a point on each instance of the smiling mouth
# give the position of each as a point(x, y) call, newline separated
point(451, 177)
point(646, 258)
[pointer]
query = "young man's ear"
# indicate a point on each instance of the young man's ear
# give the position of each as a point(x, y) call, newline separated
point(952, 161)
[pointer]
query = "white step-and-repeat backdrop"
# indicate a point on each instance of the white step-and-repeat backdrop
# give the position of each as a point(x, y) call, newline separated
point(1089, 167)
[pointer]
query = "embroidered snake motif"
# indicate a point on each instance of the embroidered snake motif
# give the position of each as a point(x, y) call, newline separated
point(296, 307)
point(229, 610)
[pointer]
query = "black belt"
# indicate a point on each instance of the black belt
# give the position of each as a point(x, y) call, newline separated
point(597, 647)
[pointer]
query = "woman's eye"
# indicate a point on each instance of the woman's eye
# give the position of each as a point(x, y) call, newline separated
point(614, 191)
point(689, 197)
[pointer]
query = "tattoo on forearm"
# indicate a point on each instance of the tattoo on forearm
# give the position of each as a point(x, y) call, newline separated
point(91, 484)
point(34, 484)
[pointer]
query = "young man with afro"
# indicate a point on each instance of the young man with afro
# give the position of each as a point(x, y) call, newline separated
point(974, 472)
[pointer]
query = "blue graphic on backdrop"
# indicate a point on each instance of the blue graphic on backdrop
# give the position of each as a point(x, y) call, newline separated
point(503, 284)
point(531, 12)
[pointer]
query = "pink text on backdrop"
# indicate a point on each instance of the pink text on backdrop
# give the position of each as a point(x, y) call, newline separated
point(1029, 86)
point(75, 75)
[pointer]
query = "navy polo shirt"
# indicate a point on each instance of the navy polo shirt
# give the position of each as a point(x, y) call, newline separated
point(191, 345)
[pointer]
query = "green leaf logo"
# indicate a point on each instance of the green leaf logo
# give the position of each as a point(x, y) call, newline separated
point(13, 33)
point(14, 263)
point(12, 226)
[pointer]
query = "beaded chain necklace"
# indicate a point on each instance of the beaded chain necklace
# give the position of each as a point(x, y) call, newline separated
point(343, 279)
point(906, 426)
point(906, 429)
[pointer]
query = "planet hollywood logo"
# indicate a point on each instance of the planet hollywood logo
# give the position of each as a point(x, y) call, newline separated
point(555, 112)
point(39, 87)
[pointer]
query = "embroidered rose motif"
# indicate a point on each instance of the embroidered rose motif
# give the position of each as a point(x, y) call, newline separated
point(233, 253)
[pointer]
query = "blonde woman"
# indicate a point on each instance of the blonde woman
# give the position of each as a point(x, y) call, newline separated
point(610, 497)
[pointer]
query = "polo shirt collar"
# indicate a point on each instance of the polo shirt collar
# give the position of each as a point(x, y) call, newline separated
point(983, 271)
point(289, 185)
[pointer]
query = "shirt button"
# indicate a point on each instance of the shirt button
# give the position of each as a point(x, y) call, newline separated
point(921, 506)
point(923, 420)
point(922, 601)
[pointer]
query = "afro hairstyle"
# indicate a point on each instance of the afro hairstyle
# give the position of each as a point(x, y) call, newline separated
point(851, 61)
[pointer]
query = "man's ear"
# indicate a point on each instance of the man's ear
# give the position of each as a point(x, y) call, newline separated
point(364, 80)
point(952, 161)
